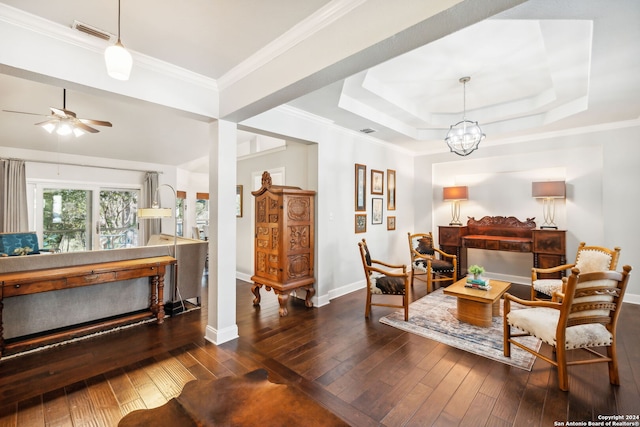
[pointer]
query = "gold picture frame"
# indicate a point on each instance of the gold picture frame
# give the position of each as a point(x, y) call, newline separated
point(391, 190)
point(238, 201)
point(360, 188)
point(377, 182)
point(376, 210)
point(361, 223)
point(391, 223)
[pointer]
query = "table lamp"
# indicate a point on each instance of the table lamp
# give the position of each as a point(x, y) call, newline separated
point(454, 195)
point(548, 191)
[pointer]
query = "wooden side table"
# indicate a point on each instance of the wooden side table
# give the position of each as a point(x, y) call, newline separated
point(477, 306)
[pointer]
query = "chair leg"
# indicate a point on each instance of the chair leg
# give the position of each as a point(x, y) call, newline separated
point(614, 378)
point(563, 374)
point(367, 309)
point(406, 305)
point(429, 283)
point(507, 329)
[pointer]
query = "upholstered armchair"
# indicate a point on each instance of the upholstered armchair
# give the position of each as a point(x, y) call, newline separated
point(384, 280)
point(588, 259)
point(585, 319)
point(430, 264)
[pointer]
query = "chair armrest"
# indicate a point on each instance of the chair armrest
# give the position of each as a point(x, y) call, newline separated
point(375, 261)
point(390, 273)
point(444, 254)
point(536, 271)
point(528, 303)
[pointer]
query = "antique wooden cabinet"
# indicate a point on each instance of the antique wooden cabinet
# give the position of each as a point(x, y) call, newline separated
point(283, 241)
point(549, 250)
point(505, 234)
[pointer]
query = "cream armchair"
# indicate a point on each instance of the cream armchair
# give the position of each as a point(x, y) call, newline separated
point(585, 319)
point(588, 259)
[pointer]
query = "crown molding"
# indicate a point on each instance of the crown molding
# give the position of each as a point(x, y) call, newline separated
point(69, 36)
point(325, 16)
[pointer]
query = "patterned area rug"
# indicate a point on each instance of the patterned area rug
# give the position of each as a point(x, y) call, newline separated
point(433, 317)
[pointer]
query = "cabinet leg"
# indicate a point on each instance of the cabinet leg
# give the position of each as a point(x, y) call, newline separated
point(282, 299)
point(255, 290)
point(310, 293)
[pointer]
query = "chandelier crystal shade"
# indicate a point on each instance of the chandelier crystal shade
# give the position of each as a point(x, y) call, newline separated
point(117, 58)
point(464, 137)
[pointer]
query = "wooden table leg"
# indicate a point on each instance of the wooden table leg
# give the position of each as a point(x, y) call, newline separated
point(160, 282)
point(1, 327)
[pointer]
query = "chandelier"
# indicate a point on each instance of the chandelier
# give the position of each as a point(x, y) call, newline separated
point(463, 137)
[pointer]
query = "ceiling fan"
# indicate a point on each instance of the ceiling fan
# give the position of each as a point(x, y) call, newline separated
point(65, 122)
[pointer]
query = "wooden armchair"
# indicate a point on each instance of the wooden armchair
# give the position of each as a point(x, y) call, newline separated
point(383, 281)
point(588, 259)
point(586, 318)
point(430, 264)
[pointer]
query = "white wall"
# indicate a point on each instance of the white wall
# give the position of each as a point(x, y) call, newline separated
point(600, 169)
point(338, 266)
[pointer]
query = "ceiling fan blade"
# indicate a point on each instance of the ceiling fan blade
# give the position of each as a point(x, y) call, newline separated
point(84, 127)
point(96, 122)
point(52, 121)
point(24, 112)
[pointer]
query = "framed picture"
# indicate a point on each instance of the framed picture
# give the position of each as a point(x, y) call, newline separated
point(361, 188)
point(391, 190)
point(239, 201)
point(376, 210)
point(391, 223)
point(377, 182)
point(361, 223)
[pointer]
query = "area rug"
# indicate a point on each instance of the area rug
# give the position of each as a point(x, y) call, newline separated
point(433, 317)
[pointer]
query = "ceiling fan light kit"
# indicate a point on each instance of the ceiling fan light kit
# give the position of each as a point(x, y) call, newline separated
point(117, 58)
point(464, 137)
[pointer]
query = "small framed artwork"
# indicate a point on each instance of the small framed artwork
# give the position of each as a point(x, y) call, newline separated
point(391, 223)
point(239, 201)
point(377, 182)
point(361, 188)
point(376, 210)
point(391, 190)
point(361, 223)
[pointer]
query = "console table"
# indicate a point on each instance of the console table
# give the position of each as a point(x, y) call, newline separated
point(499, 233)
point(53, 279)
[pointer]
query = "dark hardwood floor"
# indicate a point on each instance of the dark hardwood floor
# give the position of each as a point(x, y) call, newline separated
point(367, 373)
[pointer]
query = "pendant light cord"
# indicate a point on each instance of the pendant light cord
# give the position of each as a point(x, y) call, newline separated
point(118, 21)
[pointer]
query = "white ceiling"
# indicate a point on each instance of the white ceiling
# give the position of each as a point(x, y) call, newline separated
point(540, 67)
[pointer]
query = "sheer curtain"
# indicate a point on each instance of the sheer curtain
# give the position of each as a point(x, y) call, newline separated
point(150, 226)
point(14, 215)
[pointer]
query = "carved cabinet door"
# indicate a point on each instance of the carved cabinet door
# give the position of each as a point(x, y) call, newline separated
point(267, 237)
point(298, 236)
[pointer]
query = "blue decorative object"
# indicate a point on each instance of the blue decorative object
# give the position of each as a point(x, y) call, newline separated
point(15, 244)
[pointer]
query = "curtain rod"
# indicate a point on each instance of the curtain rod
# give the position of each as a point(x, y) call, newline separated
point(84, 166)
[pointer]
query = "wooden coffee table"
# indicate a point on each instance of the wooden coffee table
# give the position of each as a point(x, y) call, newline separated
point(477, 306)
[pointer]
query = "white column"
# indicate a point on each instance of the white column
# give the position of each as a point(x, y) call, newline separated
point(221, 325)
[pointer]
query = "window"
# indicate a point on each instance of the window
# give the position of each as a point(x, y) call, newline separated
point(63, 216)
point(202, 213)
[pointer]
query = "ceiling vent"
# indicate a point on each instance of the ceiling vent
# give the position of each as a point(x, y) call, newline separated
point(93, 31)
point(367, 130)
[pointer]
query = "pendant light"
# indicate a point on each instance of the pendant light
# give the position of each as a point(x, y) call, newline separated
point(117, 58)
point(463, 137)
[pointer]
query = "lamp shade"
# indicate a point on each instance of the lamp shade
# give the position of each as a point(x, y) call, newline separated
point(118, 61)
point(150, 213)
point(455, 193)
point(548, 190)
